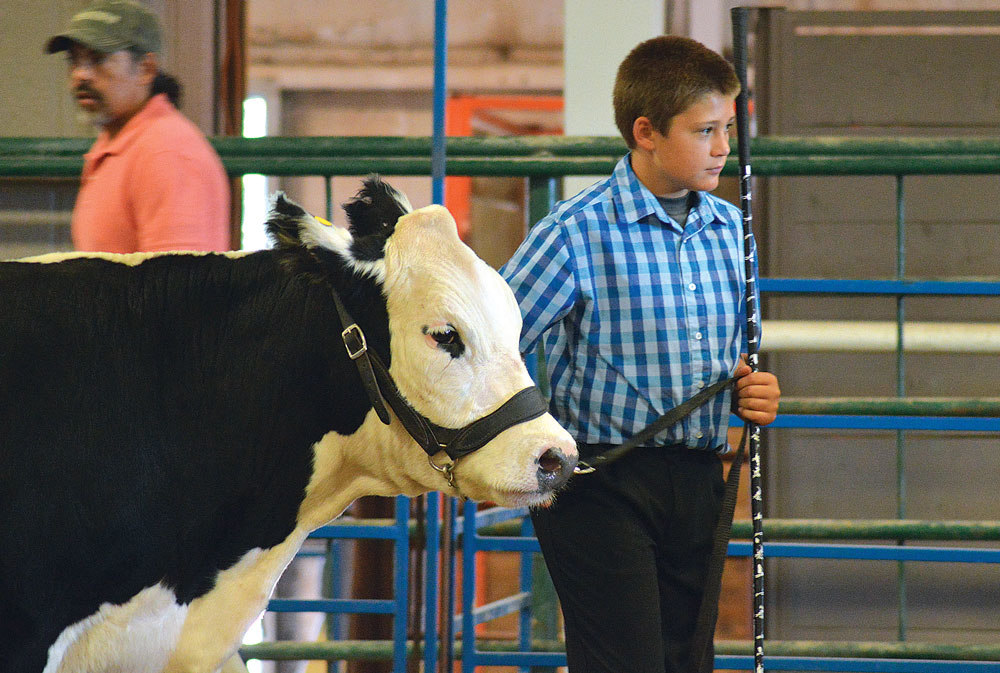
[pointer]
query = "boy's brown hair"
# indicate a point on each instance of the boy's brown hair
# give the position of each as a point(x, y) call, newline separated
point(664, 76)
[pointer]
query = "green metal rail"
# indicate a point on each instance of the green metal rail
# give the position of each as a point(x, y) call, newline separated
point(985, 407)
point(842, 529)
point(873, 529)
point(545, 156)
point(381, 650)
point(802, 529)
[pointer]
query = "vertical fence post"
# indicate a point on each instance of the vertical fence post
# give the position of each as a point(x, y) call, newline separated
point(900, 392)
point(543, 620)
point(439, 100)
point(328, 185)
point(468, 588)
point(432, 545)
point(547, 621)
point(448, 534)
point(400, 589)
point(437, 189)
point(334, 581)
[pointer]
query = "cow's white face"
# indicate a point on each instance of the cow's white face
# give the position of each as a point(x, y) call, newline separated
point(454, 322)
point(455, 327)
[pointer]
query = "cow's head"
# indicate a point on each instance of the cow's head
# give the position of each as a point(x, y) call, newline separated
point(453, 346)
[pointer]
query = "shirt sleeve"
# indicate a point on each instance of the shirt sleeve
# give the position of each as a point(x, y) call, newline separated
point(180, 204)
point(540, 274)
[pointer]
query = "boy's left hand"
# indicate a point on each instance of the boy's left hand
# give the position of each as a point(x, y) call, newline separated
point(757, 394)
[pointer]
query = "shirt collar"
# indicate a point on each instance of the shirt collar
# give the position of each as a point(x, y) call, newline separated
point(634, 202)
point(157, 106)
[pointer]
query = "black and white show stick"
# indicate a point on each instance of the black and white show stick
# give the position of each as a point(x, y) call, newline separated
point(739, 19)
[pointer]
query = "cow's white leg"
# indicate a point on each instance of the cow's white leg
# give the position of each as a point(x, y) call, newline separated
point(216, 621)
point(136, 637)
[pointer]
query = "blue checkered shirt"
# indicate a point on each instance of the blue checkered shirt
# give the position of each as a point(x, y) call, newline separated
point(636, 313)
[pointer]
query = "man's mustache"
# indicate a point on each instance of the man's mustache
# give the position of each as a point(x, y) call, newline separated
point(84, 89)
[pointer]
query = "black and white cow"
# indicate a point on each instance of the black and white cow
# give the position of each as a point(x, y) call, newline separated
point(172, 426)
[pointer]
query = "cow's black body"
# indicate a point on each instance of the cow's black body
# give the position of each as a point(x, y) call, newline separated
point(157, 422)
point(172, 426)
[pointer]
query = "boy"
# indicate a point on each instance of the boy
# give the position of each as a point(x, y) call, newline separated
point(636, 286)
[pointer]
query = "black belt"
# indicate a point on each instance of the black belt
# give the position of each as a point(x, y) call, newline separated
point(589, 451)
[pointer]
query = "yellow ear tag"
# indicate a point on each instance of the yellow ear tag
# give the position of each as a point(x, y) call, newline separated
point(326, 223)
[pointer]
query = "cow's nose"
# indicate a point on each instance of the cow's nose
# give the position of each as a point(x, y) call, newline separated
point(554, 468)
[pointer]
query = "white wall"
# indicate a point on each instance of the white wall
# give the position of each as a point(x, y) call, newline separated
point(597, 36)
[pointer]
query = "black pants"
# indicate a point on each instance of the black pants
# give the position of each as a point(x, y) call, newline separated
point(628, 547)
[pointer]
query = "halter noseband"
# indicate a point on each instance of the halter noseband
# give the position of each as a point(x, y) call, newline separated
point(523, 406)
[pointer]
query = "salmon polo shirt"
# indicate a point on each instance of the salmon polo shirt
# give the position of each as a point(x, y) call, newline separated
point(157, 185)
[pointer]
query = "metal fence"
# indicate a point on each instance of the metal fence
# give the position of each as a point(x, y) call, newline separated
point(543, 161)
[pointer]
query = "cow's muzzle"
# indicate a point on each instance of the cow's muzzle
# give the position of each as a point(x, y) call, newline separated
point(554, 469)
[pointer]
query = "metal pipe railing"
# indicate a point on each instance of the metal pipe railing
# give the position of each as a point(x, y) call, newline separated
point(546, 158)
point(978, 407)
point(529, 156)
point(840, 529)
point(868, 336)
point(322, 146)
point(374, 650)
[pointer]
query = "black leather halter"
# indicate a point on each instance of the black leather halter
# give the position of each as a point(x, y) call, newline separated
point(523, 406)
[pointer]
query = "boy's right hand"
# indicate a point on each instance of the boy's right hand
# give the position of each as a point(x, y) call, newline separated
point(757, 394)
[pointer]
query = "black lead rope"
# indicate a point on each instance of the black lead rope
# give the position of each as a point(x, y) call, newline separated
point(704, 632)
point(670, 418)
point(708, 611)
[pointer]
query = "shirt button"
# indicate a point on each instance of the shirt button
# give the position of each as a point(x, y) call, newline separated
point(699, 435)
point(697, 335)
point(692, 287)
point(699, 384)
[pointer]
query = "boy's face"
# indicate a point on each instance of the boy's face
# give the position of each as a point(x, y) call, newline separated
point(691, 154)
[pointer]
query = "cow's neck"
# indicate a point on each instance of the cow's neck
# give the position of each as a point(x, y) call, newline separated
point(346, 468)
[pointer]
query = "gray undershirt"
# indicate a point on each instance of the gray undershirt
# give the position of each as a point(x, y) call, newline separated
point(678, 208)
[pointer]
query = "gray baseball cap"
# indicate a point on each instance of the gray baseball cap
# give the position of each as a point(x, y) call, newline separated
point(108, 26)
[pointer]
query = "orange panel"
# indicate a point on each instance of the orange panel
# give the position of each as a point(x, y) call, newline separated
point(459, 113)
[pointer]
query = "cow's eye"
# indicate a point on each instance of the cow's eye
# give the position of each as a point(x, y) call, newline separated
point(447, 339)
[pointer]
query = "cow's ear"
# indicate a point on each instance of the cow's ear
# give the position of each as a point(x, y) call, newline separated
point(285, 222)
point(289, 227)
point(372, 214)
point(306, 244)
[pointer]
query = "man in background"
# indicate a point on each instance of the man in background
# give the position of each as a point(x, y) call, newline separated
point(151, 181)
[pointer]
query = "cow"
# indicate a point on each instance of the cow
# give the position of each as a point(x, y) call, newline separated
point(173, 425)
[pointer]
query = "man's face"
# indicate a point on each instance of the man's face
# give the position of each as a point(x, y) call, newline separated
point(113, 87)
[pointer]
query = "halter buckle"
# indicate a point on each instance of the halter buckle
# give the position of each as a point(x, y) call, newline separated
point(354, 341)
